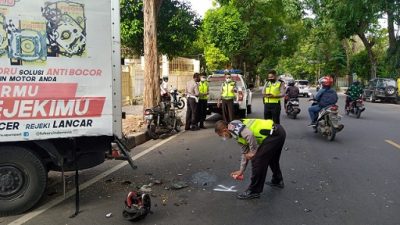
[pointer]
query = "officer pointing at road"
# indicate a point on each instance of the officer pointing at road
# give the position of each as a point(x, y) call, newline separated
point(261, 142)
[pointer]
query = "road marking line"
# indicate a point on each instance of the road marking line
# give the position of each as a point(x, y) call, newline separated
point(25, 218)
point(393, 143)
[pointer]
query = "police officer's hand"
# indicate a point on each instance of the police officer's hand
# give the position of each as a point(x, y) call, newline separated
point(236, 173)
point(249, 155)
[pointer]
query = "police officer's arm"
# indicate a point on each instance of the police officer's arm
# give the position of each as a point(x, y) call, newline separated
point(282, 90)
point(248, 151)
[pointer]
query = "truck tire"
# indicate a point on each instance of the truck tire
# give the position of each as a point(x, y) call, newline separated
point(23, 180)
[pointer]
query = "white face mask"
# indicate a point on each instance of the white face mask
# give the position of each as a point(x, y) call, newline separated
point(228, 79)
point(203, 79)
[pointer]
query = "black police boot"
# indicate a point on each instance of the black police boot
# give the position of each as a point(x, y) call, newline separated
point(278, 184)
point(248, 195)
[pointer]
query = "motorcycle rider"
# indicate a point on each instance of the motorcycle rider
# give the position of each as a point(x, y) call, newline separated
point(326, 96)
point(291, 92)
point(353, 93)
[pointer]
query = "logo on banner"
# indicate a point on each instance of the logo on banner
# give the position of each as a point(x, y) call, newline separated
point(8, 2)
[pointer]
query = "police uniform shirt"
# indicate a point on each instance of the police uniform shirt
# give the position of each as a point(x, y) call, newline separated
point(238, 129)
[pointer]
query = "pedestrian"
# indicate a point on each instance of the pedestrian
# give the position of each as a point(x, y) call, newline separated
point(228, 94)
point(192, 94)
point(164, 91)
point(203, 99)
point(273, 91)
point(261, 142)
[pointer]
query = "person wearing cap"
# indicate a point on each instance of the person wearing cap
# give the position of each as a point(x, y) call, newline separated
point(228, 94)
point(203, 99)
point(273, 91)
point(192, 94)
point(261, 142)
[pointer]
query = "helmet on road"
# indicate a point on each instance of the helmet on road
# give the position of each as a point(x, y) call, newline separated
point(327, 81)
point(137, 206)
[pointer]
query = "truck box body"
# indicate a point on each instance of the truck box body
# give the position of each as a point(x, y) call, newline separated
point(60, 100)
point(62, 88)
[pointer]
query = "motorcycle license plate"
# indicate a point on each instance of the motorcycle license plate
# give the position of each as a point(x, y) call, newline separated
point(148, 117)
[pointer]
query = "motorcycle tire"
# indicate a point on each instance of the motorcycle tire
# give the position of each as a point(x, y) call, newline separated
point(358, 113)
point(294, 116)
point(151, 131)
point(178, 125)
point(181, 104)
point(332, 134)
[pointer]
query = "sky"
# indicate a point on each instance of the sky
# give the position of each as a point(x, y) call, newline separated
point(201, 6)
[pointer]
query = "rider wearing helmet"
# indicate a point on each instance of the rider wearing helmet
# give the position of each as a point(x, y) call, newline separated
point(291, 92)
point(326, 96)
point(353, 93)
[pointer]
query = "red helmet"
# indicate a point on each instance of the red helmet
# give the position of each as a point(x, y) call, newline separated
point(327, 81)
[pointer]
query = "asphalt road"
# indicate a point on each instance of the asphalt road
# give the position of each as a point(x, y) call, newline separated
point(353, 180)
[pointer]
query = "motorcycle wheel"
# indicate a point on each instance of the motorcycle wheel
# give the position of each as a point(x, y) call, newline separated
point(178, 125)
point(151, 131)
point(358, 114)
point(181, 104)
point(294, 116)
point(347, 112)
point(332, 133)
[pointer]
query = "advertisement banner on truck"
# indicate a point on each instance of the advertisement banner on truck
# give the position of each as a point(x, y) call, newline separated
point(55, 69)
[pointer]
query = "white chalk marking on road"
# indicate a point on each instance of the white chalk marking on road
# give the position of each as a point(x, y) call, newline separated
point(393, 143)
point(225, 189)
point(25, 218)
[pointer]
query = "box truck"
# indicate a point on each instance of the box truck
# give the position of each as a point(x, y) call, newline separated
point(60, 101)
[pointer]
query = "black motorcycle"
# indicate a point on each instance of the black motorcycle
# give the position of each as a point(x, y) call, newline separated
point(292, 108)
point(162, 119)
point(355, 107)
point(177, 99)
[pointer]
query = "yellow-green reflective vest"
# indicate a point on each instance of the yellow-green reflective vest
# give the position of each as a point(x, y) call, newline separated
point(260, 129)
point(275, 90)
point(203, 90)
point(227, 90)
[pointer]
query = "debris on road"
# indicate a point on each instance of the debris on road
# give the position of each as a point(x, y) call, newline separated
point(110, 180)
point(145, 188)
point(108, 215)
point(176, 185)
point(307, 210)
point(126, 182)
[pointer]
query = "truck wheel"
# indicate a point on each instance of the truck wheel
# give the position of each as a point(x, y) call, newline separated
point(23, 179)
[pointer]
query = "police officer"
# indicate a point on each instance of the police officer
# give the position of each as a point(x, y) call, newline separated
point(261, 142)
point(192, 94)
point(228, 94)
point(273, 91)
point(203, 98)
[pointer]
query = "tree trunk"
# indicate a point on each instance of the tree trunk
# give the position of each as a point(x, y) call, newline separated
point(391, 30)
point(151, 95)
point(371, 56)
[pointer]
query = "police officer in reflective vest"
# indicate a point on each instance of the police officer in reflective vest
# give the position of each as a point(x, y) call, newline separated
point(203, 98)
point(228, 90)
point(273, 91)
point(261, 142)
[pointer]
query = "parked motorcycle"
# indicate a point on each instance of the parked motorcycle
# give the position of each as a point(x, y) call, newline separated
point(177, 99)
point(292, 108)
point(162, 119)
point(355, 107)
point(328, 122)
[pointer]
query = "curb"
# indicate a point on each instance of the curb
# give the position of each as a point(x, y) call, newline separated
point(134, 140)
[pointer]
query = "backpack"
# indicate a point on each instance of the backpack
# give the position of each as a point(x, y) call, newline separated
point(329, 97)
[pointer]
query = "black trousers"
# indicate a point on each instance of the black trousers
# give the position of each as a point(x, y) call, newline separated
point(202, 111)
point(191, 113)
point(268, 155)
point(227, 110)
point(272, 111)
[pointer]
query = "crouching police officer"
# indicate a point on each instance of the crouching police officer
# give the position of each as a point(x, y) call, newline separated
point(261, 142)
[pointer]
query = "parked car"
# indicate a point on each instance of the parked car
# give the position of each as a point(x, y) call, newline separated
point(304, 87)
point(383, 89)
point(242, 103)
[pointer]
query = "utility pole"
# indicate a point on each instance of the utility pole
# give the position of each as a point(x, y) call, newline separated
point(151, 95)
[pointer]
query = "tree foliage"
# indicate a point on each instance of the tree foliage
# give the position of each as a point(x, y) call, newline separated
point(177, 26)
